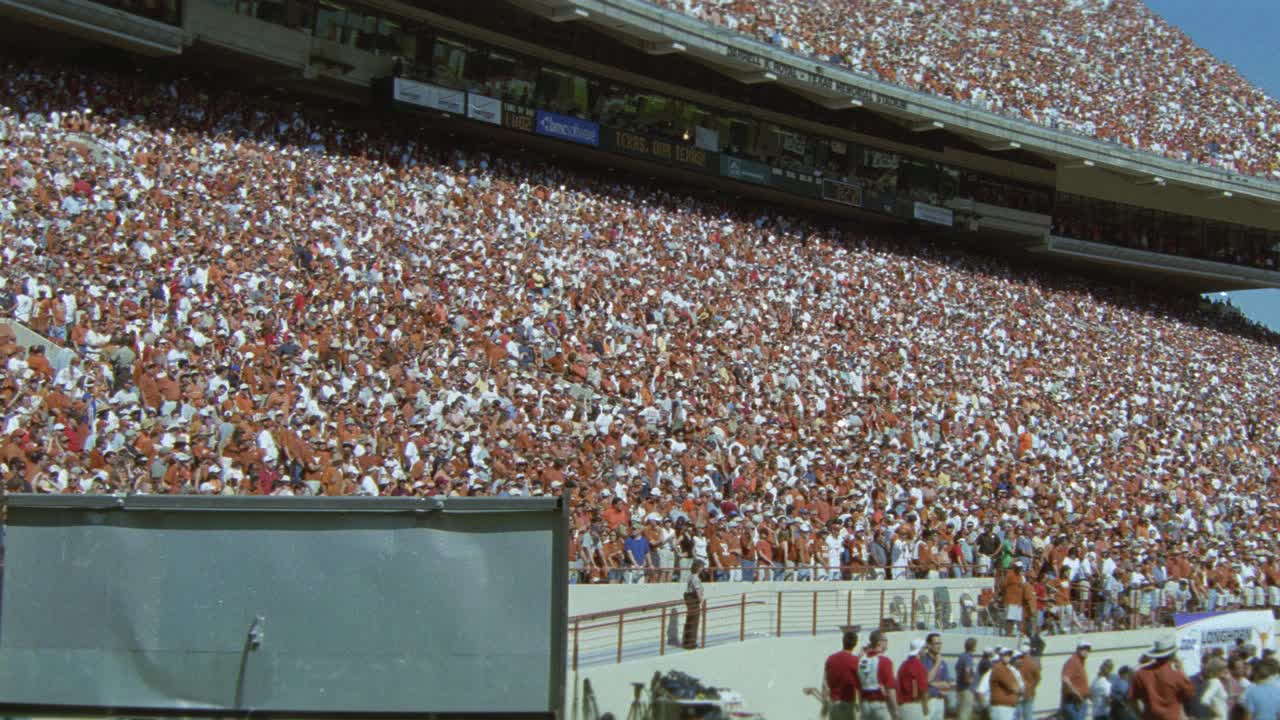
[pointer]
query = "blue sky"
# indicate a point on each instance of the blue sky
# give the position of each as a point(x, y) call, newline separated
point(1241, 32)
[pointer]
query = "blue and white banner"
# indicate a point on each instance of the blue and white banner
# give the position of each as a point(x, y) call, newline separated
point(933, 214)
point(1201, 632)
point(484, 109)
point(583, 132)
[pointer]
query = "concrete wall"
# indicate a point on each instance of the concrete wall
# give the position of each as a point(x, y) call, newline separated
point(772, 674)
point(218, 25)
point(59, 357)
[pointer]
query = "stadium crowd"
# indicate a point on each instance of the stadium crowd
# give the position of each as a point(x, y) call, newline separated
point(264, 299)
point(1111, 69)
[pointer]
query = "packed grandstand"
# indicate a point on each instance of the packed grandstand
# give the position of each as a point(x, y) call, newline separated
point(1110, 69)
point(265, 297)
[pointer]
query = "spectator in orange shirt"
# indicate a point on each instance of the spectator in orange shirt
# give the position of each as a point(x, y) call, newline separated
point(1075, 683)
point(1013, 598)
point(1030, 609)
point(616, 514)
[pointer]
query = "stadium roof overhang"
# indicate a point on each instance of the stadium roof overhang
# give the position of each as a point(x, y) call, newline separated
point(1175, 271)
point(657, 30)
point(94, 21)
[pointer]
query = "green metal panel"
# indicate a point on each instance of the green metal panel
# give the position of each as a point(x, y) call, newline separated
point(313, 605)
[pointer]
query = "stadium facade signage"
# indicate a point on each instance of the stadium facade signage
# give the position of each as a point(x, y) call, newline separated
point(564, 127)
point(933, 214)
point(1199, 633)
point(843, 193)
point(433, 97)
point(517, 117)
point(484, 108)
point(745, 170)
point(629, 143)
point(796, 183)
point(791, 72)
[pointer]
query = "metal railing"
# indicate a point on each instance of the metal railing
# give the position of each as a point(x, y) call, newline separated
point(613, 636)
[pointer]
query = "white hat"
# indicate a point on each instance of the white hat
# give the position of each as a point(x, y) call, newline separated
point(917, 645)
point(1162, 648)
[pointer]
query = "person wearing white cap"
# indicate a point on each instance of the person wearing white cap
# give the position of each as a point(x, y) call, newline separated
point(1075, 683)
point(913, 684)
point(1160, 688)
point(982, 688)
point(1005, 686)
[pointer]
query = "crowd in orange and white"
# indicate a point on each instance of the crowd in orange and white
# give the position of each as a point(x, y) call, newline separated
point(1111, 69)
point(263, 299)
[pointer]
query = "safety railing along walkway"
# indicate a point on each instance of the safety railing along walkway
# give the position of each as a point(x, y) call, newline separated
point(614, 636)
point(656, 629)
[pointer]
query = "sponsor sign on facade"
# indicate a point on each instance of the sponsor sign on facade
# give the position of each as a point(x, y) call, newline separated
point(424, 95)
point(484, 109)
point(629, 143)
point(517, 117)
point(564, 127)
point(745, 170)
point(1204, 632)
point(933, 214)
point(841, 192)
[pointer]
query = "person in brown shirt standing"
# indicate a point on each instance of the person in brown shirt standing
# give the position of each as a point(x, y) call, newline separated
point(1030, 610)
point(1160, 688)
point(1013, 583)
point(1075, 683)
point(1006, 689)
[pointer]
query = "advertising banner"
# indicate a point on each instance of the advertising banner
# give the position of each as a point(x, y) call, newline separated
point(665, 151)
point(841, 192)
point(484, 108)
point(933, 214)
point(564, 127)
point(423, 95)
point(517, 117)
point(796, 183)
point(745, 170)
point(1202, 632)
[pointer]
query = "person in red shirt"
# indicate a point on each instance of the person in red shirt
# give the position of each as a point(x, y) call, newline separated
point(913, 685)
point(1160, 688)
point(877, 686)
point(839, 673)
